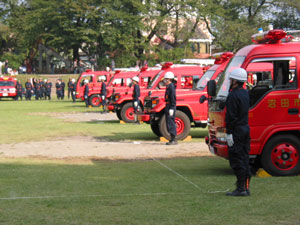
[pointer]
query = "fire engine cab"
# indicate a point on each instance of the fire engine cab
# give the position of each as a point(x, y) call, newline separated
point(188, 111)
point(8, 87)
point(274, 114)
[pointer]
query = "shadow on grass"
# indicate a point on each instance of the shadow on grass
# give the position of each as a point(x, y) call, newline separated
point(136, 136)
point(102, 121)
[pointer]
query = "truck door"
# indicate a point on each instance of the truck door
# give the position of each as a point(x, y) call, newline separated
point(274, 97)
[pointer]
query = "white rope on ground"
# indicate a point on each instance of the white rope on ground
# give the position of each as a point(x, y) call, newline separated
point(86, 196)
point(178, 174)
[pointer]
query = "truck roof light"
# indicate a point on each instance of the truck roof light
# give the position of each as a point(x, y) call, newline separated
point(167, 65)
point(270, 37)
point(222, 56)
point(117, 71)
point(144, 68)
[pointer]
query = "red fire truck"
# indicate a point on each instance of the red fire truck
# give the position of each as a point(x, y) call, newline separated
point(188, 111)
point(274, 104)
point(8, 87)
point(94, 84)
point(185, 75)
point(121, 99)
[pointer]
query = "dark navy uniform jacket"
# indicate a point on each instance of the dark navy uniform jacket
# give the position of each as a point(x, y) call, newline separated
point(136, 92)
point(19, 88)
point(48, 86)
point(103, 89)
point(237, 104)
point(86, 89)
point(170, 96)
point(28, 86)
point(72, 87)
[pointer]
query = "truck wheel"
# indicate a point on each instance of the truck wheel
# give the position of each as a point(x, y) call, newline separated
point(127, 113)
point(280, 156)
point(155, 128)
point(183, 126)
point(118, 112)
point(95, 100)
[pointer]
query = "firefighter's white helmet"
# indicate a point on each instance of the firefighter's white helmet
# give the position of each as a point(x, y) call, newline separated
point(136, 79)
point(86, 81)
point(169, 75)
point(73, 80)
point(238, 74)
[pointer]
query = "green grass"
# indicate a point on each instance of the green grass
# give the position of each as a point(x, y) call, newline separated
point(140, 192)
point(20, 121)
point(125, 192)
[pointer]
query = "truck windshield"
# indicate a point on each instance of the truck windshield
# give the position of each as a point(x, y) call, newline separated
point(223, 83)
point(153, 81)
point(201, 84)
point(6, 83)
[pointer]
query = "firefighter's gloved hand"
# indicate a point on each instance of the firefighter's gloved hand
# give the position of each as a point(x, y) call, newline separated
point(74, 92)
point(171, 112)
point(103, 97)
point(85, 97)
point(135, 103)
point(229, 139)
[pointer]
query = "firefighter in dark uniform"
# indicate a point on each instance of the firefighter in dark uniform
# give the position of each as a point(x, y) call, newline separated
point(86, 92)
point(37, 90)
point(19, 91)
point(58, 89)
point(63, 85)
point(48, 87)
point(170, 110)
point(103, 93)
point(29, 89)
point(238, 132)
point(135, 97)
point(72, 89)
point(69, 88)
point(42, 94)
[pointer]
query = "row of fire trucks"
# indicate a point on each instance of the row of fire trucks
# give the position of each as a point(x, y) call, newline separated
point(273, 84)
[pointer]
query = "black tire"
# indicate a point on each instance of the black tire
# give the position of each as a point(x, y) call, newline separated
point(280, 156)
point(182, 120)
point(118, 112)
point(127, 113)
point(155, 128)
point(95, 100)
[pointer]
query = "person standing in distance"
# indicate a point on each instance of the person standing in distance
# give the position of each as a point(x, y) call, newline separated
point(135, 97)
point(72, 89)
point(29, 89)
point(238, 131)
point(103, 93)
point(170, 109)
point(19, 91)
point(48, 88)
point(86, 93)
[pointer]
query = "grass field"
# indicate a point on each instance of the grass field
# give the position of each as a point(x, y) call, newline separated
point(154, 191)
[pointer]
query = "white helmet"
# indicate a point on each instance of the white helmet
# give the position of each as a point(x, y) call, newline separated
point(169, 75)
point(238, 74)
point(73, 80)
point(45, 80)
point(86, 81)
point(136, 79)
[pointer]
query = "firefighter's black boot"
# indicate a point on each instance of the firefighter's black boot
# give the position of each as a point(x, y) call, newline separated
point(172, 141)
point(240, 189)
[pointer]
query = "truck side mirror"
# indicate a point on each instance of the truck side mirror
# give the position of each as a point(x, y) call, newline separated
point(202, 99)
point(211, 88)
point(149, 93)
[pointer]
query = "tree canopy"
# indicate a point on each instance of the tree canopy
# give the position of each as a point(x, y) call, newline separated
point(123, 29)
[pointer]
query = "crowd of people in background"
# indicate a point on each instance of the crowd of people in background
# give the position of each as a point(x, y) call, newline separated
point(41, 89)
